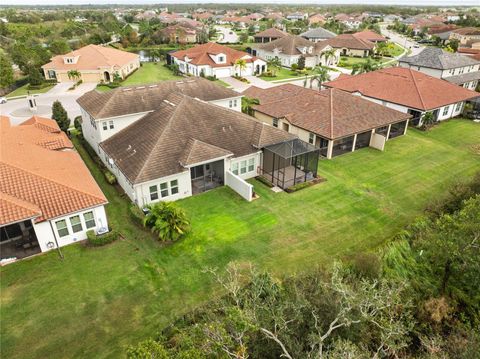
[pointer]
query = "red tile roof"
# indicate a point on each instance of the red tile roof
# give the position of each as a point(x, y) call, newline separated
point(369, 35)
point(350, 42)
point(405, 87)
point(41, 178)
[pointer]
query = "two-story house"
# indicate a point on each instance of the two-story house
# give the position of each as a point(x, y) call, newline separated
point(452, 67)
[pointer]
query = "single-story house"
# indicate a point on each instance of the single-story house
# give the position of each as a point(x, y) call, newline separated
point(369, 35)
point(179, 34)
point(48, 198)
point(349, 45)
point(269, 35)
point(106, 113)
point(318, 34)
point(408, 91)
point(213, 59)
point(188, 146)
point(94, 63)
point(332, 120)
point(452, 67)
point(289, 49)
point(316, 19)
point(466, 35)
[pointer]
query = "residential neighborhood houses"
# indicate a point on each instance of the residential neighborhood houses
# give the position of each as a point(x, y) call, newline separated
point(281, 170)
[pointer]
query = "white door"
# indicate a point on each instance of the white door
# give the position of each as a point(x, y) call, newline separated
point(222, 72)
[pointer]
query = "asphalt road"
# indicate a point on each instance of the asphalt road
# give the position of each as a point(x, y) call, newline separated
point(402, 41)
point(227, 35)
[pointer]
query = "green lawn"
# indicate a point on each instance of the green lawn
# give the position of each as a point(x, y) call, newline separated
point(150, 72)
point(349, 61)
point(23, 91)
point(284, 73)
point(98, 300)
point(394, 49)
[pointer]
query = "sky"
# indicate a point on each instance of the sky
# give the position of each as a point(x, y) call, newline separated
point(445, 3)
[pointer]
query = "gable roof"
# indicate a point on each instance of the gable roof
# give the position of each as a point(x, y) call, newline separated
point(350, 42)
point(182, 131)
point(369, 35)
point(405, 87)
point(329, 113)
point(92, 57)
point(39, 180)
point(201, 55)
point(435, 58)
point(318, 32)
point(271, 32)
point(290, 44)
point(128, 100)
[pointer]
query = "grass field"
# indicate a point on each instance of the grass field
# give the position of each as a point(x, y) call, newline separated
point(394, 49)
point(283, 73)
point(349, 61)
point(98, 300)
point(23, 91)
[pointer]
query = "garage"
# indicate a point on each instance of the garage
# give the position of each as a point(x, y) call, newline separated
point(222, 72)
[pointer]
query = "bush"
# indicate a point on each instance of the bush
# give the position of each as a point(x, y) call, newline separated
point(77, 123)
point(110, 177)
point(137, 215)
point(264, 181)
point(101, 239)
point(298, 187)
point(366, 265)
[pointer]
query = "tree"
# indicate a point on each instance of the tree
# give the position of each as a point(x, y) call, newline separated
point(34, 76)
point(6, 72)
point(59, 47)
point(274, 64)
point(320, 76)
point(168, 220)
point(74, 75)
point(453, 45)
point(329, 54)
point(241, 64)
point(381, 49)
point(59, 114)
point(428, 120)
point(301, 63)
point(117, 77)
point(243, 37)
point(365, 66)
point(247, 105)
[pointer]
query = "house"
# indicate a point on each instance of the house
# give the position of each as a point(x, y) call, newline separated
point(408, 91)
point(316, 19)
point(349, 45)
point(269, 35)
point(442, 31)
point(94, 63)
point(466, 35)
point(289, 49)
point(318, 34)
point(369, 35)
point(187, 146)
point(297, 16)
point(106, 113)
point(48, 198)
point(216, 60)
point(332, 120)
point(350, 21)
point(178, 34)
point(452, 67)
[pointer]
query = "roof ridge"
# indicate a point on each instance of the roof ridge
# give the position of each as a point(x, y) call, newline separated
point(331, 113)
point(416, 88)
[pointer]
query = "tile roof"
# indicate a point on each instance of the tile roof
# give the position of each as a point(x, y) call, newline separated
point(127, 100)
point(350, 42)
point(92, 57)
point(467, 31)
point(290, 45)
point(463, 78)
point(200, 54)
point(405, 87)
point(188, 130)
point(435, 58)
point(329, 113)
point(271, 32)
point(41, 180)
point(318, 32)
point(369, 35)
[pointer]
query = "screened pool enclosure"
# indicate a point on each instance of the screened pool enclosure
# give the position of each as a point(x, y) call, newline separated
point(288, 163)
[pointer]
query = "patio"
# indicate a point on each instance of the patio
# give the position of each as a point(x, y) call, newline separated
point(18, 240)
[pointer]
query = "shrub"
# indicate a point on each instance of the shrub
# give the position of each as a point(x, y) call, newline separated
point(366, 265)
point(110, 177)
point(77, 124)
point(298, 187)
point(101, 239)
point(137, 215)
point(264, 181)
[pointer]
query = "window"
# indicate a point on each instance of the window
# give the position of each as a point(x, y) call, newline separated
point(174, 187)
point(251, 164)
point(89, 219)
point(110, 123)
point(275, 122)
point(235, 168)
point(76, 224)
point(234, 103)
point(311, 138)
point(230, 103)
point(153, 193)
point(243, 167)
point(458, 107)
point(164, 189)
point(62, 228)
point(221, 59)
point(104, 125)
point(445, 110)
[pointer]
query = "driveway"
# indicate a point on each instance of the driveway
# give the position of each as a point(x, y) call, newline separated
point(18, 110)
point(227, 35)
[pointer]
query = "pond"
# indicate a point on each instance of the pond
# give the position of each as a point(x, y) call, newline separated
point(147, 55)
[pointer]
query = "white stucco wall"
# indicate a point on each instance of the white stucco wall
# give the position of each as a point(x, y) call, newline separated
point(230, 163)
point(234, 103)
point(142, 190)
point(239, 185)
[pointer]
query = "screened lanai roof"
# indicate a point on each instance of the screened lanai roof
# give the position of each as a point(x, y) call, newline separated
point(291, 148)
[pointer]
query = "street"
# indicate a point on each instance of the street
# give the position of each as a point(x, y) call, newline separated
point(227, 35)
point(402, 40)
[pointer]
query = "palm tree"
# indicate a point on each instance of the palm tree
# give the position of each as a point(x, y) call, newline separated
point(428, 120)
point(247, 105)
point(168, 220)
point(74, 74)
point(329, 54)
point(363, 67)
point(274, 64)
point(320, 76)
point(241, 64)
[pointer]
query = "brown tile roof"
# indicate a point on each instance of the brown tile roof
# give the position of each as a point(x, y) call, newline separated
point(41, 180)
point(185, 129)
point(271, 32)
point(369, 35)
point(92, 57)
point(290, 44)
point(405, 87)
point(467, 31)
point(200, 54)
point(126, 100)
point(350, 42)
point(329, 113)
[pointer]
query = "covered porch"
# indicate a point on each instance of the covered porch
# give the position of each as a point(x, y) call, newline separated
point(207, 176)
point(18, 240)
point(288, 163)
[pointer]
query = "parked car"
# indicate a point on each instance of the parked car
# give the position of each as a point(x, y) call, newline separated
point(3, 100)
point(416, 46)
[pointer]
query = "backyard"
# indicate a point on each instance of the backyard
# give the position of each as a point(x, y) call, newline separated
point(349, 61)
point(284, 73)
point(98, 300)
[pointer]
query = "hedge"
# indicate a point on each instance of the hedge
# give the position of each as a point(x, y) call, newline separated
point(102, 239)
point(136, 214)
point(110, 177)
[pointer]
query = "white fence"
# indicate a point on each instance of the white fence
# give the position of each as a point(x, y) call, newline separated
point(378, 141)
point(239, 185)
